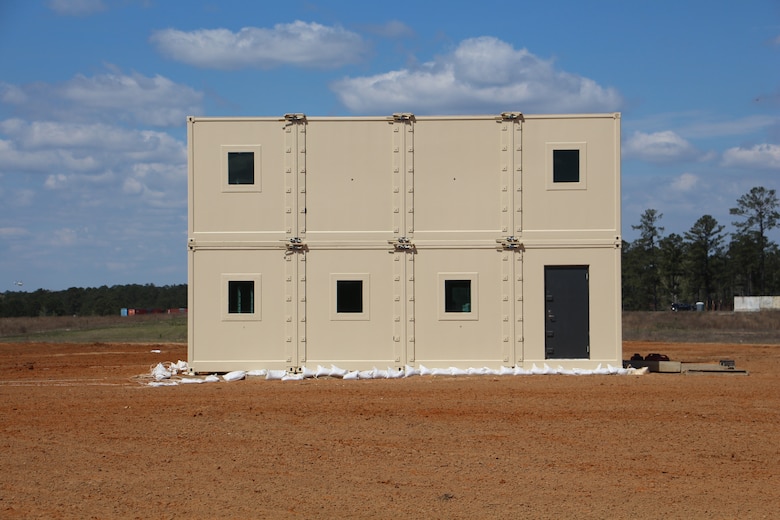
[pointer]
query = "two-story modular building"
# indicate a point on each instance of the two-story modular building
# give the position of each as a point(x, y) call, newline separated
point(444, 241)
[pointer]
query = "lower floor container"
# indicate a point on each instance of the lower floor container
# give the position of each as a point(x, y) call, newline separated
point(398, 303)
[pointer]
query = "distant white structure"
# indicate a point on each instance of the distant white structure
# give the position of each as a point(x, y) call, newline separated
point(756, 303)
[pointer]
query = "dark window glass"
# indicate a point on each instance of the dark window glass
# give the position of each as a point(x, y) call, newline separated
point(241, 167)
point(457, 295)
point(566, 166)
point(241, 297)
point(349, 296)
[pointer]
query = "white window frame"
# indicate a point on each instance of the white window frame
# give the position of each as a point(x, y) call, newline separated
point(350, 316)
point(473, 314)
point(255, 187)
point(257, 278)
point(582, 184)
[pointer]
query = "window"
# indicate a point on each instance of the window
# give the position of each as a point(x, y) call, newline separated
point(241, 167)
point(458, 296)
point(241, 297)
point(349, 297)
point(566, 166)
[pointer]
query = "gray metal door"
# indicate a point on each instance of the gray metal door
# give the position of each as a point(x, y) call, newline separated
point(567, 316)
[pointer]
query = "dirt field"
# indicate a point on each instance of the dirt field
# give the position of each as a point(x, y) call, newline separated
point(83, 438)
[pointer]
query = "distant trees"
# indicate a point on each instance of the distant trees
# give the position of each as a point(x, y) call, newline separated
point(98, 301)
point(700, 265)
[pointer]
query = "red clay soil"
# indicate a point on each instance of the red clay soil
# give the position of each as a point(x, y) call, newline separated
point(83, 437)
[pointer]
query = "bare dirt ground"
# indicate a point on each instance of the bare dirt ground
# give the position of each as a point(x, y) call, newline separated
point(83, 438)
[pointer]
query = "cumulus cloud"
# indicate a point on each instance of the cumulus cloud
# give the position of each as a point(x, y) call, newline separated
point(760, 156)
point(299, 43)
point(76, 7)
point(111, 97)
point(482, 74)
point(44, 146)
point(658, 147)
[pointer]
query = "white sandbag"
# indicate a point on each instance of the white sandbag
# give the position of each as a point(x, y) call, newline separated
point(308, 373)
point(410, 371)
point(292, 377)
point(236, 375)
point(191, 380)
point(179, 367)
point(351, 375)
point(424, 371)
point(601, 371)
point(211, 379)
point(321, 371)
point(455, 371)
point(275, 374)
point(506, 371)
point(262, 372)
point(520, 371)
point(440, 372)
point(379, 374)
point(394, 373)
point(564, 371)
point(159, 372)
point(366, 374)
point(337, 372)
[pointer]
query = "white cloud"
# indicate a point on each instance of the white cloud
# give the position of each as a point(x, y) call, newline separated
point(76, 7)
point(109, 97)
point(299, 43)
point(482, 74)
point(685, 182)
point(44, 146)
point(760, 156)
point(658, 147)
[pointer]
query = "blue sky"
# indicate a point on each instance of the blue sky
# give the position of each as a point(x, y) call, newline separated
point(94, 95)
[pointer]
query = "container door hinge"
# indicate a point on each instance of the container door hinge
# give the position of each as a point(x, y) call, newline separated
point(295, 118)
point(512, 116)
point(295, 245)
point(402, 244)
point(510, 244)
point(403, 117)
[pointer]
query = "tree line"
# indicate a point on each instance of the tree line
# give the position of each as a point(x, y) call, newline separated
point(704, 264)
point(98, 301)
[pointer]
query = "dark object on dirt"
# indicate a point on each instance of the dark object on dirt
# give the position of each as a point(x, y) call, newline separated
point(682, 307)
point(728, 363)
point(637, 357)
point(656, 357)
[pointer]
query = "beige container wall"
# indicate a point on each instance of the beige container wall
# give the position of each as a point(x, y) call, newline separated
point(350, 340)
point(604, 294)
point(406, 206)
point(223, 211)
point(226, 342)
point(589, 209)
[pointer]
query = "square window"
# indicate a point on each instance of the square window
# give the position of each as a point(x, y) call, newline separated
point(349, 296)
point(566, 166)
point(457, 296)
point(241, 297)
point(241, 167)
